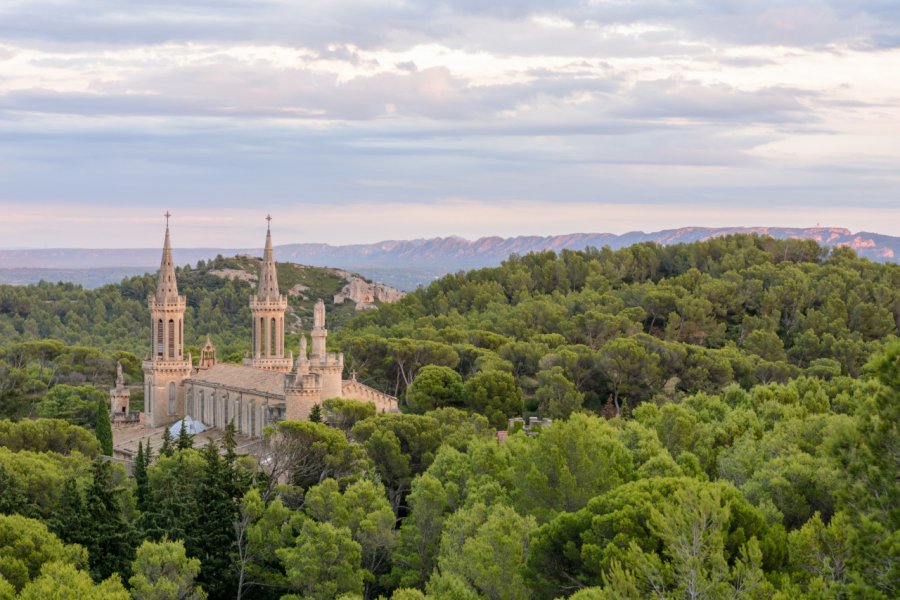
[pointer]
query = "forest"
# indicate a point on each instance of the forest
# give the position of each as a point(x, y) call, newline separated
point(724, 425)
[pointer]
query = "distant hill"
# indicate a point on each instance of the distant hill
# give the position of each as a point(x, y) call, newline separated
point(402, 263)
point(114, 317)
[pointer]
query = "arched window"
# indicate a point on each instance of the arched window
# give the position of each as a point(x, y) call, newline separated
point(173, 400)
point(201, 416)
point(159, 338)
point(180, 334)
point(215, 408)
point(274, 336)
point(225, 410)
point(252, 419)
point(262, 336)
point(171, 338)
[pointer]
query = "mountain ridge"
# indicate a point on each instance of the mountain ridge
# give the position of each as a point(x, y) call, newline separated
point(407, 263)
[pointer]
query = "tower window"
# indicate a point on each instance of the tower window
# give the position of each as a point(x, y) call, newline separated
point(172, 398)
point(159, 338)
point(274, 336)
point(171, 338)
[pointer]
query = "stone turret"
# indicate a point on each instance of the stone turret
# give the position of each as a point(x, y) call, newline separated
point(119, 396)
point(268, 307)
point(167, 366)
point(302, 388)
point(207, 355)
point(330, 366)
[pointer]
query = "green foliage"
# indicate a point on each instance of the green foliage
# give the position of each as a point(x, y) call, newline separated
point(26, 546)
point(75, 404)
point(103, 428)
point(486, 548)
point(113, 317)
point(567, 465)
point(48, 435)
point(364, 510)
point(37, 478)
point(306, 453)
point(401, 446)
point(163, 571)
point(495, 395)
point(747, 451)
point(435, 387)
point(57, 576)
point(344, 413)
point(323, 563)
point(99, 519)
point(557, 397)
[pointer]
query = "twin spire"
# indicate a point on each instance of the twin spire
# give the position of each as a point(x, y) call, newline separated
point(268, 276)
point(166, 286)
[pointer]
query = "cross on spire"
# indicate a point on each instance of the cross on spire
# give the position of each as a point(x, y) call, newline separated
point(167, 215)
point(269, 219)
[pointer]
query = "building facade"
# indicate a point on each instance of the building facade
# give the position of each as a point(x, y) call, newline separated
point(268, 387)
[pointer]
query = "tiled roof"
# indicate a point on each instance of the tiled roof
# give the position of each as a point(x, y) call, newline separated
point(243, 378)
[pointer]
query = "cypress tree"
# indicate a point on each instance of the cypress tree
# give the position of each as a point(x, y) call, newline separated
point(185, 440)
point(109, 536)
point(212, 538)
point(140, 476)
point(315, 414)
point(70, 521)
point(166, 449)
point(103, 429)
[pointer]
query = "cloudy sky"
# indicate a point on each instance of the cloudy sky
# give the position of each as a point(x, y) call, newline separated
point(362, 120)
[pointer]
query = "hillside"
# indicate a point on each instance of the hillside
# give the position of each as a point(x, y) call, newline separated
point(114, 316)
point(405, 264)
point(696, 317)
point(590, 425)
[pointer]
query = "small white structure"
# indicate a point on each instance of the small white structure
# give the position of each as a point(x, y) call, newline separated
point(190, 425)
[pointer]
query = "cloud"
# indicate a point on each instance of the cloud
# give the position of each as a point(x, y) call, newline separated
point(217, 105)
point(368, 24)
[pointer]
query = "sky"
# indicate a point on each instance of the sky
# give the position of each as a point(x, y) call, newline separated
point(361, 120)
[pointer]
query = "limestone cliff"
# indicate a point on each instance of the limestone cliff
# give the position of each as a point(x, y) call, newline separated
point(365, 294)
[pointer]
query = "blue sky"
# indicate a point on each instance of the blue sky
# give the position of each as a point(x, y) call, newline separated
point(357, 121)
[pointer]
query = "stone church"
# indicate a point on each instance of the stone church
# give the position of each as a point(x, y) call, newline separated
point(270, 386)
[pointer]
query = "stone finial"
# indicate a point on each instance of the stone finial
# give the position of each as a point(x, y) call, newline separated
point(319, 315)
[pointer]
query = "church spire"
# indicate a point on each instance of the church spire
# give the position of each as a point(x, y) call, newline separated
point(166, 286)
point(268, 277)
point(267, 307)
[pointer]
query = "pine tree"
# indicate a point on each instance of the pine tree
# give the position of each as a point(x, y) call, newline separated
point(185, 440)
point(109, 536)
point(229, 444)
point(140, 476)
point(315, 414)
point(70, 519)
point(211, 539)
point(103, 429)
point(166, 449)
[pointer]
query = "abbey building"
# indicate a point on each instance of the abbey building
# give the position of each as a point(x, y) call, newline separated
point(269, 386)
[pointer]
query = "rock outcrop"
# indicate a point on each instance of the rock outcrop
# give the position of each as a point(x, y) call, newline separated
point(366, 294)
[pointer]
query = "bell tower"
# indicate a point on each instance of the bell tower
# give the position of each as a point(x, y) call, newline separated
point(167, 367)
point(268, 307)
